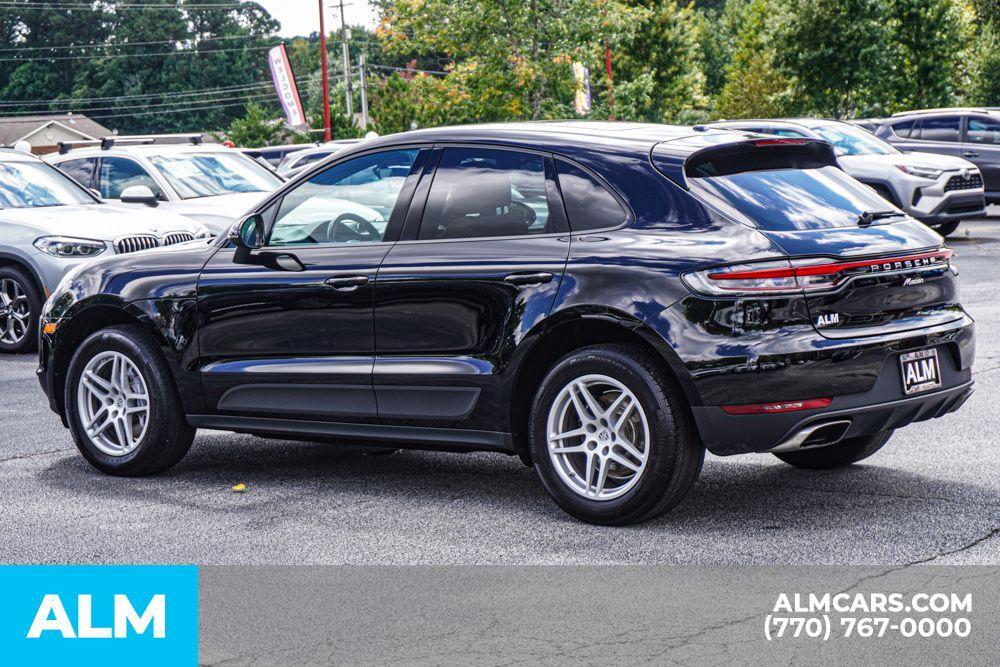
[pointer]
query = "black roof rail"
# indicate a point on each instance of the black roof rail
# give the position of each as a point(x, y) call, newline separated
point(113, 140)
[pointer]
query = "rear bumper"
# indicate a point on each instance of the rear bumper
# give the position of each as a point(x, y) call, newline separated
point(883, 407)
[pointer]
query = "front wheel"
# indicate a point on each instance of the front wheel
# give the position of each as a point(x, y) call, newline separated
point(123, 409)
point(610, 438)
point(841, 454)
point(20, 307)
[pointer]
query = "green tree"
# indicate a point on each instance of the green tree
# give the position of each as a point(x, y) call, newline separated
point(257, 127)
point(837, 54)
point(718, 31)
point(659, 75)
point(985, 67)
point(929, 59)
point(508, 60)
point(755, 87)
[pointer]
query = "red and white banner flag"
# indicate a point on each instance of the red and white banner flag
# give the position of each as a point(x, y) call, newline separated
point(284, 83)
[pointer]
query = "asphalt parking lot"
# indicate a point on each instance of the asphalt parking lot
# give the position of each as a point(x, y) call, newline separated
point(933, 495)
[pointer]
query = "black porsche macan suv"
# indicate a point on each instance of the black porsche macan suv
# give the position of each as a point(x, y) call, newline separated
point(604, 300)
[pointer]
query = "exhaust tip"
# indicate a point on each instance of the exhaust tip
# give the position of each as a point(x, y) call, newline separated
point(822, 434)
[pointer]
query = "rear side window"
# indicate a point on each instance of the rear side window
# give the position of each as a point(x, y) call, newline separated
point(589, 205)
point(984, 131)
point(81, 171)
point(486, 192)
point(907, 129)
point(945, 128)
point(781, 195)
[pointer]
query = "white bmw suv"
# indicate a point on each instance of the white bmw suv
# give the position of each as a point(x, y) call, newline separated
point(938, 190)
point(210, 183)
point(50, 224)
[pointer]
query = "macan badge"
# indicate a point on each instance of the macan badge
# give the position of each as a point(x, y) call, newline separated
point(828, 320)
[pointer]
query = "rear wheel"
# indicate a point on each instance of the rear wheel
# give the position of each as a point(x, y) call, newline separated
point(610, 437)
point(948, 228)
point(20, 307)
point(841, 454)
point(123, 409)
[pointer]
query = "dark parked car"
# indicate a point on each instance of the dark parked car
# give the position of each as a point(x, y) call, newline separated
point(603, 300)
point(973, 134)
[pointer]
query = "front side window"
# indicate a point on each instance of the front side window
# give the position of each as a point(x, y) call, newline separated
point(195, 175)
point(486, 192)
point(348, 203)
point(588, 203)
point(850, 140)
point(81, 170)
point(31, 185)
point(118, 173)
point(945, 128)
point(984, 131)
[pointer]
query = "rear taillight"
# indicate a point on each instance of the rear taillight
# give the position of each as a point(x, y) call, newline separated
point(808, 275)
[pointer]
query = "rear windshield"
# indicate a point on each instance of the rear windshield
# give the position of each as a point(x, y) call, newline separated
point(789, 199)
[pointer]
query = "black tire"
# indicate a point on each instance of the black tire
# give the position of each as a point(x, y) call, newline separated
point(947, 228)
point(842, 454)
point(675, 453)
point(168, 435)
point(29, 340)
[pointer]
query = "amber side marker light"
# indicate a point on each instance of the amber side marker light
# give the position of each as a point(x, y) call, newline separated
point(49, 328)
point(783, 406)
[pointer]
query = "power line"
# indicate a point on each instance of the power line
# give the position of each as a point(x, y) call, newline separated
point(272, 98)
point(121, 5)
point(116, 98)
point(225, 98)
point(137, 55)
point(408, 69)
point(120, 44)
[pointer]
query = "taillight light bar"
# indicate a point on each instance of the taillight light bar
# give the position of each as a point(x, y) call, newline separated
point(781, 142)
point(783, 277)
point(771, 408)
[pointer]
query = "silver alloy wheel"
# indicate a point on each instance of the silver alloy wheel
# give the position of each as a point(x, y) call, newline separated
point(113, 403)
point(598, 437)
point(15, 313)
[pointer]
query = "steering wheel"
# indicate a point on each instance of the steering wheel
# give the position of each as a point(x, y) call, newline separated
point(352, 227)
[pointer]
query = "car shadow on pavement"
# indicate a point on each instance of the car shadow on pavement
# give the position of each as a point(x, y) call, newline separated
point(752, 493)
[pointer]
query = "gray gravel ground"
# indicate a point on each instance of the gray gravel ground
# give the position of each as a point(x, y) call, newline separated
point(933, 495)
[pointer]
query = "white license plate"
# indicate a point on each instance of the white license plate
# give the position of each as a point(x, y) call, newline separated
point(921, 371)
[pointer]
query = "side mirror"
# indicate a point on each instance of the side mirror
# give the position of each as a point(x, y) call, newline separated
point(249, 234)
point(139, 194)
point(95, 192)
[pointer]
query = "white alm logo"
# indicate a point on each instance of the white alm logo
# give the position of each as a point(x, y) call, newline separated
point(923, 371)
point(828, 319)
point(52, 617)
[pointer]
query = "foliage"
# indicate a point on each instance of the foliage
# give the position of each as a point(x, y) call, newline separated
point(836, 53)
point(256, 128)
point(754, 87)
point(718, 28)
point(985, 67)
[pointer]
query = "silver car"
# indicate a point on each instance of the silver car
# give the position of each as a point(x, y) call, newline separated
point(50, 224)
point(209, 183)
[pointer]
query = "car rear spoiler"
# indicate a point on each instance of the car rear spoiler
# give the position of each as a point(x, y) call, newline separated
point(750, 152)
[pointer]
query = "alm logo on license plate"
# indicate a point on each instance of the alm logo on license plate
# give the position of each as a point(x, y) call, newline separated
point(921, 371)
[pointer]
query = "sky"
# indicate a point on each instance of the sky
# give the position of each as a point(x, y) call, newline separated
point(301, 17)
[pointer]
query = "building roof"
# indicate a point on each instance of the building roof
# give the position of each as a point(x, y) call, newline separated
point(14, 128)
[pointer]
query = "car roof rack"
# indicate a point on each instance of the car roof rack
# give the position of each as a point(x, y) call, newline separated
point(132, 140)
point(941, 110)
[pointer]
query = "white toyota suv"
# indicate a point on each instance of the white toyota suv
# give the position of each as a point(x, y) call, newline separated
point(938, 190)
point(210, 183)
point(49, 224)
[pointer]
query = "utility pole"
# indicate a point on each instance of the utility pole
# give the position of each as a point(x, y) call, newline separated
point(364, 90)
point(326, 75)
point(347, 62)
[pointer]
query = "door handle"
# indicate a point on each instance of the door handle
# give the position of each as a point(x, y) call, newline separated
point(970, 154)
point(528, 278)
point(347, 282)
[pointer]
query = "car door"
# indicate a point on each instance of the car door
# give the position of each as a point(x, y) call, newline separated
point(478, 267)
point(287, 331)
point(982, 146)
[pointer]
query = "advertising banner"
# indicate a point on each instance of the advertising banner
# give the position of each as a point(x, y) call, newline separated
point(284, 84)
point(581, 102)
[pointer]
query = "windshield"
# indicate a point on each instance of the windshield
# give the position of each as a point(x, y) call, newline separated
point(211, 174)
point(850, 140)
point(790, 199)
point(32, 185)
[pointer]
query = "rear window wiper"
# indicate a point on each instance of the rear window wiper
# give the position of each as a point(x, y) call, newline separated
point(868, 217)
